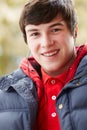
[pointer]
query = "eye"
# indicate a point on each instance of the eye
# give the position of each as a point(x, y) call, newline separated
point(35, 34)
point(56, 30)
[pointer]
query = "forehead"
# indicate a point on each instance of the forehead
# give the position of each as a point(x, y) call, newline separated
point(59, 20)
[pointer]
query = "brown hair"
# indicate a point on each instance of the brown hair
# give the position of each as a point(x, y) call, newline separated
point(43, 11)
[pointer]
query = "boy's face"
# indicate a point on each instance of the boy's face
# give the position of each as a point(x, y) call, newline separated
point(52, 45)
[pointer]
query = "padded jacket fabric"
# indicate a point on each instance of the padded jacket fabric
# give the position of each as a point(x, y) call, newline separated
point(18, 102)
point(71, 103)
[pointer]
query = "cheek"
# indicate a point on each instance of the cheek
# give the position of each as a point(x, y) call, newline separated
point(30, 47)
point(62, 39)
point(33, 48)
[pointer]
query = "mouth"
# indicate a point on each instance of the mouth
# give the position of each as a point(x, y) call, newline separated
point(50, 53)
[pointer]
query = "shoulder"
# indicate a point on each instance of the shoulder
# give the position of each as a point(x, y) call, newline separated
point(20, 82)
point(13, 77)
point(83, 64)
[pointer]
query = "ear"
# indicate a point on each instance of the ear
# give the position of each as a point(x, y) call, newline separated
point(76, 32)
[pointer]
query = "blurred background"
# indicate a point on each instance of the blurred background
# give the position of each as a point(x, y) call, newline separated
point(12, 46)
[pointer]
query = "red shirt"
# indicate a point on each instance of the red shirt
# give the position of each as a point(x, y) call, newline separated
point(48, 117)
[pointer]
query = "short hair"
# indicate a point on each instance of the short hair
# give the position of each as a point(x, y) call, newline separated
point(43, 11)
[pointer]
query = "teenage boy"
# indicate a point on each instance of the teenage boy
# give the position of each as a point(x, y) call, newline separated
point(56, 73)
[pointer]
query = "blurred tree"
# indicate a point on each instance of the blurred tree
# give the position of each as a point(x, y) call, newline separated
point(12, 47)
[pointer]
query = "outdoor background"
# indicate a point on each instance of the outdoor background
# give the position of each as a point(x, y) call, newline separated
point(12, 46)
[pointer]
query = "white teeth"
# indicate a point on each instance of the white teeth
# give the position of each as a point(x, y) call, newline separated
point(50, 54)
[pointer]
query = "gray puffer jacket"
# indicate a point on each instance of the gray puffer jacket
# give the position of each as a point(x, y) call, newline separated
point(18, 102)
point(72, 101)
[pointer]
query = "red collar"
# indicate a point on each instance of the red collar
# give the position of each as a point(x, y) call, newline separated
point(46, 77)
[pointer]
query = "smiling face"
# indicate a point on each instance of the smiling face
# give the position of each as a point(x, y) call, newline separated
point(52, 45)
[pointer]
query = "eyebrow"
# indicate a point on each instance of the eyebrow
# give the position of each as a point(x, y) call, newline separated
point(32, 30)
point(57, 24)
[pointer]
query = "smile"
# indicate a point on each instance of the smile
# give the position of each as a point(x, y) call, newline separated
point(50, 54)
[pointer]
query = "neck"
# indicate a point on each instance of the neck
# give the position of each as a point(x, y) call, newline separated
point(66, 66)
point(69, 62)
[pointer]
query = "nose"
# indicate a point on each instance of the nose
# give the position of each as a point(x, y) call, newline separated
point(46, 41)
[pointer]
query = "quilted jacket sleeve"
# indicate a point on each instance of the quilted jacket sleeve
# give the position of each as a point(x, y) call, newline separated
point(18, 102)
